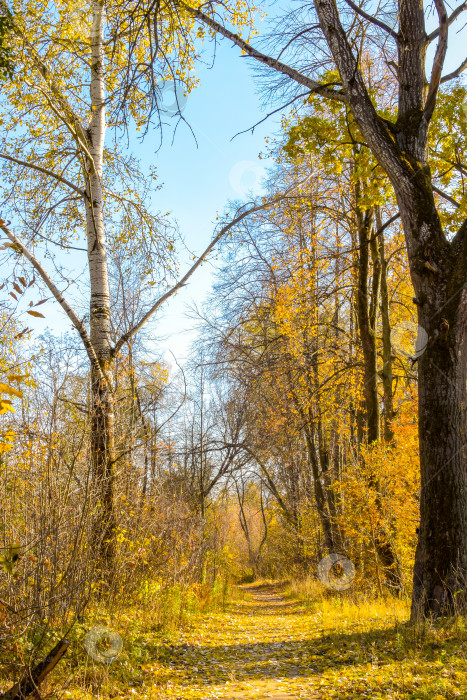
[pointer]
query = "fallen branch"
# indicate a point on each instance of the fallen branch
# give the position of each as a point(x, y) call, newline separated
point(31, 681)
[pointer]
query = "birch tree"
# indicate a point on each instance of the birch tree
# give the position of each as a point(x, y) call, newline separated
point(67, 184)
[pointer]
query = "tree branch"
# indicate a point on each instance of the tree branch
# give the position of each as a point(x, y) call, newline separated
point(446, 196)
point(40, 169)
point(67, 117)
point(181, 283)
point(372, 19)
point(65, 112)
point(455, 73)
point(294, 38)
point(375, 130)
point(58, 296)
point(8, 607)
point(31, 680)
point(452, 18)
point(438, 60)
point(312, 85)
point(269, 479)
point(386, 224)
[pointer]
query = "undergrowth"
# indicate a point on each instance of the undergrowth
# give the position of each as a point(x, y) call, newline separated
point(156, 610)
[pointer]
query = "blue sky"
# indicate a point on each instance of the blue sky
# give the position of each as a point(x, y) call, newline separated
point(200, 178)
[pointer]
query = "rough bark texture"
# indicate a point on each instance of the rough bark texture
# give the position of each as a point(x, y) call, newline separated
point(438, 271)
point(104, 469)
point(441, 557)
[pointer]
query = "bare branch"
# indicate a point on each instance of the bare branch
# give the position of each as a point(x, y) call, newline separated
point(45, 171)
point(455, 73)
point(270, 114)
point(385, 225)
point(312, 85)
point(452, 18)
point(294, 38)
point(446, 196)
point(375, 130)
point(8, 607)
point(58, 296)
point(266, 473)
point(373, 20)
point(225, 229)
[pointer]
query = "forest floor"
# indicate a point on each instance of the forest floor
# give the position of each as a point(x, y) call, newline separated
point(266, 645)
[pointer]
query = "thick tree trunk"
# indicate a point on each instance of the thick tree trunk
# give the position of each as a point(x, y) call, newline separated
point(104, 470)
point(441, 556)
point(438, 270)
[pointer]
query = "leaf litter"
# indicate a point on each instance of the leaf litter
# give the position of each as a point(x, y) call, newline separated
point(269, 646)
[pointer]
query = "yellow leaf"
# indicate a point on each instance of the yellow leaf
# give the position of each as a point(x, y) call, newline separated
point(5, 389)
point(16, 377)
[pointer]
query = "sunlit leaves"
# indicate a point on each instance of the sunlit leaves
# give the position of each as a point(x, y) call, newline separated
point(9, 557)
point(448, 134)
point(6, 64)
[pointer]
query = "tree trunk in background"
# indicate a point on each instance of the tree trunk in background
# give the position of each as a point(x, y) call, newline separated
point(319, 493)
point(366, 323)
point(386, 373)
point(367, 307)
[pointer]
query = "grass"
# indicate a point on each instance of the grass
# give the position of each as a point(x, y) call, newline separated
point(273, 639)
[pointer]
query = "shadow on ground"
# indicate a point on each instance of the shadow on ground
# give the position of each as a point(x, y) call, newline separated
point(266, 660)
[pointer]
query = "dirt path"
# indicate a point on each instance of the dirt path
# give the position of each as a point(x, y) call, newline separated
point(266, 646)
point(260, 648)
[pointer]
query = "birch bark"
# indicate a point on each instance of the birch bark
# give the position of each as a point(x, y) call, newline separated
point(102, 427)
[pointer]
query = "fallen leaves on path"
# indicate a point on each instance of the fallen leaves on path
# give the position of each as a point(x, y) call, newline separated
point(269, 647)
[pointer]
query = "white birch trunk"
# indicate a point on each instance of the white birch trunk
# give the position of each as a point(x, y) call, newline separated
point(102, 435)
